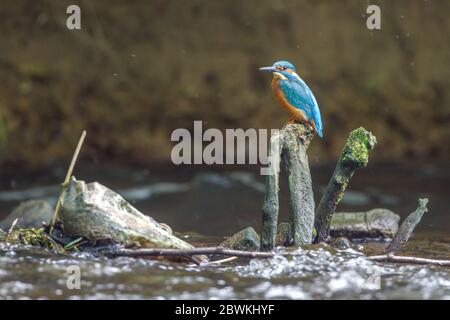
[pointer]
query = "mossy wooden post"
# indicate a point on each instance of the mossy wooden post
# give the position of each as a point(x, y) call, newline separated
point(290, 144)
point(355, 155)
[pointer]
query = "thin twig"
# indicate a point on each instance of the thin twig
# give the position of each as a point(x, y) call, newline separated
point(229, 259)
point(66, 180)
point(414, 260)
point(13, 225)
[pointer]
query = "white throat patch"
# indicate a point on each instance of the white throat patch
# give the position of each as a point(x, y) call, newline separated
point(278, 75)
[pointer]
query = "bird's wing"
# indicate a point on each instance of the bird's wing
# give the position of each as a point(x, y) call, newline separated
point(298, 94)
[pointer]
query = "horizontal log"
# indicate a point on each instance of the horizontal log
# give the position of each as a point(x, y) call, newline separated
point(255, 254)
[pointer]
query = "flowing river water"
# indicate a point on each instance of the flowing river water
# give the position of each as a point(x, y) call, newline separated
point(207, 206)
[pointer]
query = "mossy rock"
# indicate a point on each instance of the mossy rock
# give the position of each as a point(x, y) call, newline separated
point(97, 213)
point(341, 243)
point(372, 224)
point(247, 239)
point(30, 214)
point(375, 223)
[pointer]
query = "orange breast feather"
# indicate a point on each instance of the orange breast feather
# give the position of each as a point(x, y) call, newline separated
point(296, 113)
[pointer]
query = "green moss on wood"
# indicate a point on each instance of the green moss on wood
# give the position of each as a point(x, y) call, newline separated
point(355, 155)
point(356, 150)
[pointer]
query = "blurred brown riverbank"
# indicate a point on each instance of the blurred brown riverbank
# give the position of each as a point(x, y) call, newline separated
point(137, 70)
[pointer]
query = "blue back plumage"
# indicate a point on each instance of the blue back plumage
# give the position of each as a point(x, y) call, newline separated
point(298, 94)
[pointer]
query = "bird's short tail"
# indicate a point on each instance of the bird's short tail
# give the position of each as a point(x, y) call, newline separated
point(318, 126)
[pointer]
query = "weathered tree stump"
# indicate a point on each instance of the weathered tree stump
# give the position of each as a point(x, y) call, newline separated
point(290, 145)
point(271, 205)
point(407, 227)
point(355, 155)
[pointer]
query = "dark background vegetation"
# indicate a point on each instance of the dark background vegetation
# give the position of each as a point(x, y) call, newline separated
point(139, 69)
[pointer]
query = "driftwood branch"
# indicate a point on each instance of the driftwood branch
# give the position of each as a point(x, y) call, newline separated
point(66, 180)
point(407, 227)
point(196, 251)
point(252, 254)
point(290, 144)
point(355, 155)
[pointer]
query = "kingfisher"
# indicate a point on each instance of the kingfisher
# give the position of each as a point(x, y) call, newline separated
point(294, 95)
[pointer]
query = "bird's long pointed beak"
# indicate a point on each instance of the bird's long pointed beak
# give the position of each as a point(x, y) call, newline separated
point(268, 69)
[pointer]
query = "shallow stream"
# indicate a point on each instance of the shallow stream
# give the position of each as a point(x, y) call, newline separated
point(208, 206)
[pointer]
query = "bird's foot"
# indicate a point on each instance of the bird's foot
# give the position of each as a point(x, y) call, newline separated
point(290, 120)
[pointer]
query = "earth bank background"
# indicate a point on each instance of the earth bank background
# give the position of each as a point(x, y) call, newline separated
point(138, 70)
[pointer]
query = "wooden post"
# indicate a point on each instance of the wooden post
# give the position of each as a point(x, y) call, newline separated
point(407, 227)
point(290, 145)
point(296, 141)
point(271, 205)
point(355, 155)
